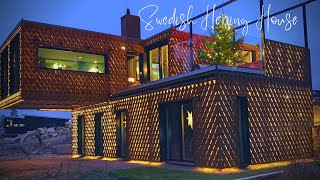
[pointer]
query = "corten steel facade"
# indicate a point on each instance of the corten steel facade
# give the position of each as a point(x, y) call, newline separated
point(280, 113)
point(278, 93)
point(53, 89)
point(26, 85)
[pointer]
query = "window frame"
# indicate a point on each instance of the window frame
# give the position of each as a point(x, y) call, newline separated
point(127, 69)
point(105, 55)
point(253, 54)
point(158, 46)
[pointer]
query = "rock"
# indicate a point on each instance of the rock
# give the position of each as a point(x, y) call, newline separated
point(50, 130)
point(10, 140)
point(61, 129)
point(54, 134)
point(45, 136)
point(68, 124)
point(42, 130)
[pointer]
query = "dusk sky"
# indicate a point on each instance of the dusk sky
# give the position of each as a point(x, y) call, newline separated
point(104, 16)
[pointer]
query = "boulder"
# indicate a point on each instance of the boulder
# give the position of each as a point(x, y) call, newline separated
point(8, 140)
point(50, 130)
point(42, 130)
point(68, 124)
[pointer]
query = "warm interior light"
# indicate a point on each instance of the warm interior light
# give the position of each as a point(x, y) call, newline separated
point(95, 61)
point(123, 48)
point(57, 66)
point(94, 69)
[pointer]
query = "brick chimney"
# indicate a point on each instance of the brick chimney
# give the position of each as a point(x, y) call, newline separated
point(130, 25)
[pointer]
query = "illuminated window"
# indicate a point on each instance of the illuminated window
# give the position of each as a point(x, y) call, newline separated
point(133, 70)
point(159, 63)
point(164, 61)
point(21, 125)
point(155, 65)
point(73, 61)
point(15, 125)
point(249, 56)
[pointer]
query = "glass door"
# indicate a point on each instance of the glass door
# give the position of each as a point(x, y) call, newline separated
point(176, 131)
point(242, 112)
point(121, 117)
point(80, 134)
point(98, 134)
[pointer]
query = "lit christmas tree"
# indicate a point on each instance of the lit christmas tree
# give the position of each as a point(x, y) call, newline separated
point(221, 47)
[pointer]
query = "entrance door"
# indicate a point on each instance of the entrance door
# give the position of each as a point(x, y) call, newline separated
point(98, 134)
point(176, 131)
point(242, 104)
point(80, 131)
point(121, 117)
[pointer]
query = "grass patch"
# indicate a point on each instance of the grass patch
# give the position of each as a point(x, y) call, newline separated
point(87, 175)
point(161, 173)
point(4, 172)
point(155, 173)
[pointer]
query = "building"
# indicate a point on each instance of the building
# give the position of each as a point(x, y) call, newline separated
point(20, 125)
point(140, 99)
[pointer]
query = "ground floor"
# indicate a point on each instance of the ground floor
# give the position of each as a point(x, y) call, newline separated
point(67, 167)
point(220, 119)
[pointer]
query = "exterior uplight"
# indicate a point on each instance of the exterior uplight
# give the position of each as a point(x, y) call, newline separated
point(130, 79)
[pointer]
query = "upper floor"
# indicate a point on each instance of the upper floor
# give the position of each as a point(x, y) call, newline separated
point(46, 66)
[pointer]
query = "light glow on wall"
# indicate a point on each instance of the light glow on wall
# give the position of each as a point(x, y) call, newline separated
point(146, 163)
point(76, 156)
point(218, 171)
point(110, 159)
point(92, 157)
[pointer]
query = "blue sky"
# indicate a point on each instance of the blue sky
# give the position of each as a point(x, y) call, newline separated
point(22, 113)
point(104, 16)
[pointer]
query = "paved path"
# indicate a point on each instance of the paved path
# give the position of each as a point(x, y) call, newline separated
point(55, 165)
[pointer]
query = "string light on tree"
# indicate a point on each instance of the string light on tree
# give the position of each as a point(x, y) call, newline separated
point(221, 47)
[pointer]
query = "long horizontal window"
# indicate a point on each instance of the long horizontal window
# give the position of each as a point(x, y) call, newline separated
point(73, 61)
